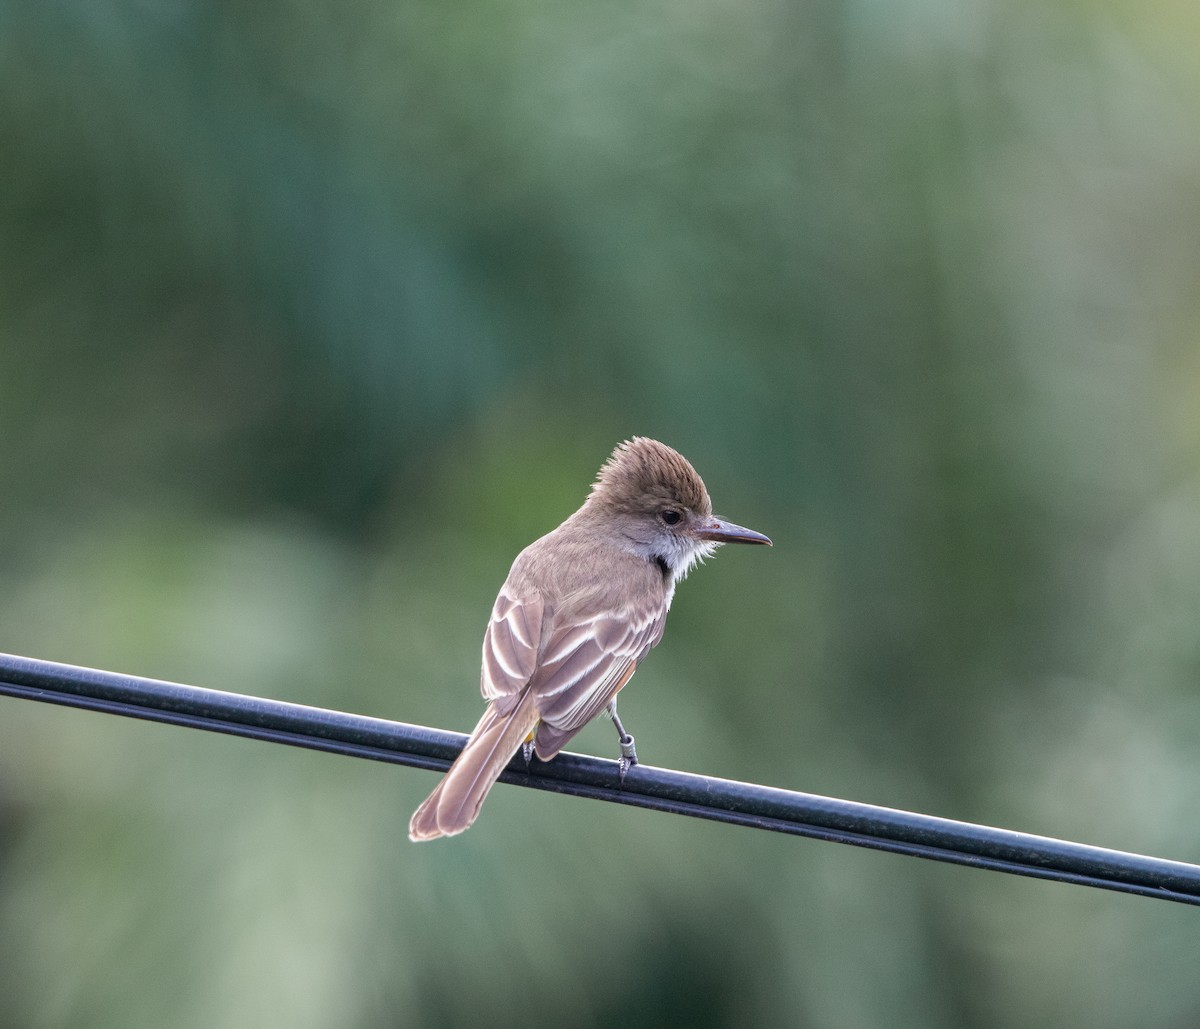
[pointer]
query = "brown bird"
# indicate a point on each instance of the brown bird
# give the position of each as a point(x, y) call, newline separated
point(580, 609)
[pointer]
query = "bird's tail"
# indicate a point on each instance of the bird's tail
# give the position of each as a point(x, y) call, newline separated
point(456, 800)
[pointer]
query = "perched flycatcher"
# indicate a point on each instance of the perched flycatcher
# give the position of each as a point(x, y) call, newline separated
point(580, 609)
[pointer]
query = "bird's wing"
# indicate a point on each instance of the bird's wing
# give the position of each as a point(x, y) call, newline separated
point(586, 662)
point(510, 645)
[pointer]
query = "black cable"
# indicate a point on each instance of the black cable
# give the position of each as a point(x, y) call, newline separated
point(700, 796)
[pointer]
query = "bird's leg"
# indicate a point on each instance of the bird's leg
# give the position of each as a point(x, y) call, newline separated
point(628, 753)
point(527, 750)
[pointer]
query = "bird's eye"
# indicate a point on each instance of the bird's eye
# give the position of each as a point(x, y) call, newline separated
point(671, 516)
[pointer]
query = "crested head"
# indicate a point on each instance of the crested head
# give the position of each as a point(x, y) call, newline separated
point(648, 499)
point(643, 476)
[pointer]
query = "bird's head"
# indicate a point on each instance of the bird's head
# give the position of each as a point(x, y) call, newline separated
point(654, 500)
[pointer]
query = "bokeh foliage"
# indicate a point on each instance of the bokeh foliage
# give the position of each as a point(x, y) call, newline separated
point(313, 314)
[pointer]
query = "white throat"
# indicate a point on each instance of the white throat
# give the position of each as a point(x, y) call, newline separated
point(678, 555)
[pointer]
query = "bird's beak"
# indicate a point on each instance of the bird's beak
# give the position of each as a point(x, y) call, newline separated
point(720, 531)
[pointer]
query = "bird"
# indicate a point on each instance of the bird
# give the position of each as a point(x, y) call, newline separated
point(580, 609)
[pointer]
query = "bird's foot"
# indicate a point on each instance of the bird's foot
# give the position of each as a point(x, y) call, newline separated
point(628, 757)
point(527, 752)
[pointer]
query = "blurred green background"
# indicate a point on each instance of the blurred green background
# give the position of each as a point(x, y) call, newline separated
point(313, 314)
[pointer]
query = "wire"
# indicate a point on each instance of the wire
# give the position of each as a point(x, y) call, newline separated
point(658, 789)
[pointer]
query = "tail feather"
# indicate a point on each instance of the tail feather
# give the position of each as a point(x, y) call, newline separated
point(456, 800)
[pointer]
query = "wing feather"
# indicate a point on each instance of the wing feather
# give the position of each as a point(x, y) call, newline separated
point(584, 676)
point(510, 644)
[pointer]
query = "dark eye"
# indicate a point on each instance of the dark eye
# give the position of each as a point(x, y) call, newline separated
point(671, 516)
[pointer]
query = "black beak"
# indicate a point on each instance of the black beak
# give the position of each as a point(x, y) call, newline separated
point(720, 531)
